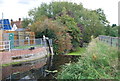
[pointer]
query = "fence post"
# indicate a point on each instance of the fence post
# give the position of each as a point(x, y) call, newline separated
point(99, 37)
point(117, 42)
point(111, 41)
point(107, 39)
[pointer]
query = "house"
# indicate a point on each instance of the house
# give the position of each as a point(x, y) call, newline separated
point(17, 23)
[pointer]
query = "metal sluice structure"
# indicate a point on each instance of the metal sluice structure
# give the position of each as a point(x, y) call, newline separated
point(4, 45)
point(5, 24)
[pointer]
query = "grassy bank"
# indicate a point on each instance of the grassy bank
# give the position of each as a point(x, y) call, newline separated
point(78, 52)
point(99, 61)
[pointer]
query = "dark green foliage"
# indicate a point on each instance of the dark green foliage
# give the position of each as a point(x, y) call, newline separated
point(111, 31)
point(73, 30)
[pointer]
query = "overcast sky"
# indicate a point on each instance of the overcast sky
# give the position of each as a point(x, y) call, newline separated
point(14, 9)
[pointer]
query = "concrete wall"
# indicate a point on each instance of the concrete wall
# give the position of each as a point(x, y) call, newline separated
point(6, 57)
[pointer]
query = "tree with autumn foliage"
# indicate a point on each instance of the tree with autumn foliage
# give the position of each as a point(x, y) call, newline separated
point(57, 32)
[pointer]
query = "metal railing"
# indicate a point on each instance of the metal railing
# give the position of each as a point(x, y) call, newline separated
point(112, 41)
point(4, 45)
point(23, 44)
point(26, 43)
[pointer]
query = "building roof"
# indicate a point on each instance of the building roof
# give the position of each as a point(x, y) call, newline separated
point(20, 29)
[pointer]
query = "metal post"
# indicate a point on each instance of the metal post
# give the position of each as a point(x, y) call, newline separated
point(29, 41)
point(9, 45)
point(111, 41)
point(2, 21)
point(41, 42)
point(44, 40)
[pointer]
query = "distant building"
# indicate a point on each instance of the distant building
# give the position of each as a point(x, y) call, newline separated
point(17, 23)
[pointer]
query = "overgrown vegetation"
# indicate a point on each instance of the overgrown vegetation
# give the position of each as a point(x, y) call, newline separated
point(100, 61)
point(77, 23)
point(57, 32)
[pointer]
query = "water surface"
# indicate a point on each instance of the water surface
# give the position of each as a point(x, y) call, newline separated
point(45, 68)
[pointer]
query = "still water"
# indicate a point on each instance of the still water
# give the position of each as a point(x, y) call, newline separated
point(45, 68)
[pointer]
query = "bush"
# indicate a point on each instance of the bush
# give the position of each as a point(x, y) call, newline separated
point(57, 32)
point(98, 62)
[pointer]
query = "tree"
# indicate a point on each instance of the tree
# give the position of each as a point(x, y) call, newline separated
point(113, 25)
point(61, 39)
point(112, 30)
point(102, 16)
point(73, 30)
point(81, 23)
point(26, 22)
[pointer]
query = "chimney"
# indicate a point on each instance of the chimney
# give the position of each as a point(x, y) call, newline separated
point(20, 23)
point(12, 22)
point(19, 19)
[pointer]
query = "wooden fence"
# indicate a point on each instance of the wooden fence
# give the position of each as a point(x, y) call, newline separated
point(112, 41)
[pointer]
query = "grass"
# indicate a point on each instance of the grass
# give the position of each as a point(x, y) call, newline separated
point(78, 52)
point(99, 61)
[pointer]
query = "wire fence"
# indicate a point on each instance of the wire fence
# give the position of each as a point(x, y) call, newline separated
point(112, 41)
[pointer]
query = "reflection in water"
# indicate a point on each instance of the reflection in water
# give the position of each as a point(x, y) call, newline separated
point(35, 69)
point(19, 71)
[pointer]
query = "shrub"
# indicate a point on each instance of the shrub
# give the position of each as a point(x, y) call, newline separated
point(55, 31)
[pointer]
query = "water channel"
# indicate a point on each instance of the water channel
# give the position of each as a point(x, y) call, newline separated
point(44, 68)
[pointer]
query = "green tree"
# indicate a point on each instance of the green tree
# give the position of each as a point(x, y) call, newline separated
point(70, 14)
point(26, 22)
point(102, 16)
point(73, 30)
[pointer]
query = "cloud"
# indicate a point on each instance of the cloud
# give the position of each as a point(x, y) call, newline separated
point(25, 1)
point(1, 1)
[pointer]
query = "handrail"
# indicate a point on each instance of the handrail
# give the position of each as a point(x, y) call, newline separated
point(5, 45)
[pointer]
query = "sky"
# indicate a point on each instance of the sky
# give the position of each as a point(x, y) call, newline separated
point(14, 9)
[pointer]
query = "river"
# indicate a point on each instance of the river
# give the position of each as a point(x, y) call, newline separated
point(44, 68)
